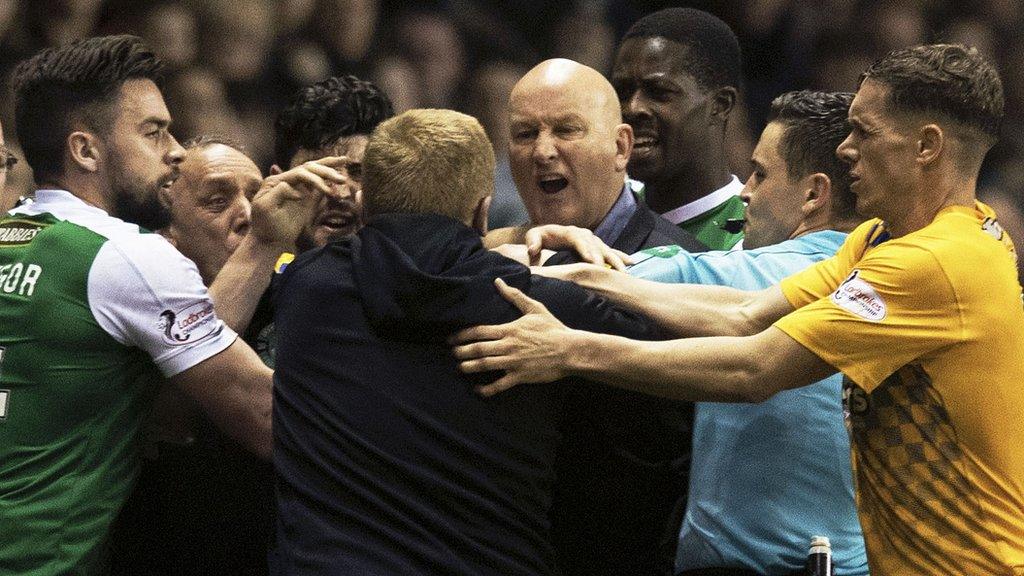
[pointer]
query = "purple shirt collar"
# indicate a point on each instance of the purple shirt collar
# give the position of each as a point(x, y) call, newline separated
point(615, 221)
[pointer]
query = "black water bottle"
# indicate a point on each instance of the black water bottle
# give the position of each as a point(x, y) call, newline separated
point(819, 559)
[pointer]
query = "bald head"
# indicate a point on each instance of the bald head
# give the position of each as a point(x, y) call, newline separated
point(564, 77)
point(568, 148)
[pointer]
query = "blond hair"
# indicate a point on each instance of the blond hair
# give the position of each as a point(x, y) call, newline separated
point(428, 162)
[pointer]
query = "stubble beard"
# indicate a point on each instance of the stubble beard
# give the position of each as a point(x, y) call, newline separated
point(134, 203)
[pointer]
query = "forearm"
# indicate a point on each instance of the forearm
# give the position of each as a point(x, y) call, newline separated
point(697, 369)
point(683, 310)
point(720, 369)
point(236, 389)
point(245, 276)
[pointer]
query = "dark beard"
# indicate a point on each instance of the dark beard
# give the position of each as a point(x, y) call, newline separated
point(149, 213)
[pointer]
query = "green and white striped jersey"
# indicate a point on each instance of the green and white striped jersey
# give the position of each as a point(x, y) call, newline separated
point(92, 311)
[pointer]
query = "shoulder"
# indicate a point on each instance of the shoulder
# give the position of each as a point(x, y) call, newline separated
point(664, 233)
point(583, 310)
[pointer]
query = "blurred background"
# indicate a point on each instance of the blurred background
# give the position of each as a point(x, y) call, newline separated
point(233, 61)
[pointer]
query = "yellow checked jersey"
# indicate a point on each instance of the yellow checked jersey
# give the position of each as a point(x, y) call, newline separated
point(928, 330)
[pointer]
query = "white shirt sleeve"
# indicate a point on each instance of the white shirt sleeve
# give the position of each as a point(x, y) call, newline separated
point(145, 293)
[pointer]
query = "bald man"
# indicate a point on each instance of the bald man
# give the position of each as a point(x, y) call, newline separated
point(624, 463)
point(568, 152)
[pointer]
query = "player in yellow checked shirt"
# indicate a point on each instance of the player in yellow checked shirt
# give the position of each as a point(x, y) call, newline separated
point(920, 309)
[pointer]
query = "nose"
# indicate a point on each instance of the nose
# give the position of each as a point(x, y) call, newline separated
point(635, 105)
point(242, 216)
point(544, 148)
point(845, 151)
point(175, 154)
point(747, 186)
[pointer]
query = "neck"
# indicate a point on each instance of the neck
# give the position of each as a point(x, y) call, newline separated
point(692, 183)
point(83, 190)
point(835, 224)
point(919, 210)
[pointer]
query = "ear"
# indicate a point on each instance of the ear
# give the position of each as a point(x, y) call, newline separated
point(723, 100)
point(817, 194)
point(931, 140)
point(623, 146)
point(85, 150)
point(483, 207)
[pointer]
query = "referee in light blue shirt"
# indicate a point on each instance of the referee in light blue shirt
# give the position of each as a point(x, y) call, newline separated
point(766, 478)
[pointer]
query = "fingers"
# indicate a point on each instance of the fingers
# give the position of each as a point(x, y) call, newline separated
point(477, 333)
point(332, 161)
point(534, 243)
point(613, 258)
point(314, 175)
point(525, 304)
point(500, 385)
point(481, 350)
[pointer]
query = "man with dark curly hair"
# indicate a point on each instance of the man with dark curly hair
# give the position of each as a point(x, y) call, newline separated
point(333, 117)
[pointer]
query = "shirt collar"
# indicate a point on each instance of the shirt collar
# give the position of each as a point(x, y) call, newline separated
point(615, 221)
point(702, 205)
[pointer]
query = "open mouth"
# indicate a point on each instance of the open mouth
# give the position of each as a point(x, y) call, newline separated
point(552, 184)
point(338, 220)
point(645, 142)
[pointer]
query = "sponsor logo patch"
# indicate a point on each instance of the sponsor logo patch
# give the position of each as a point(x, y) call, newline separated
point(18, 232)
point(857, 296)
point(188, 325)
point(663, 251)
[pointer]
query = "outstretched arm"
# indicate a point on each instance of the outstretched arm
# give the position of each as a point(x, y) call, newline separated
point(539, 348)
point(682, 309)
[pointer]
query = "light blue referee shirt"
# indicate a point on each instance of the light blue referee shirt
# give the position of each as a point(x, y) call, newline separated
point(765, 477)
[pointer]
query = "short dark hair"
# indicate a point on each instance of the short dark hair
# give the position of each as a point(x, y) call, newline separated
point(815, 124)
point(77, 82)
point(319, 115)
point(950, 79)
point(713, 52)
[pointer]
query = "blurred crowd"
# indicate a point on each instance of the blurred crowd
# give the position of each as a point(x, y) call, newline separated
point(234, 61)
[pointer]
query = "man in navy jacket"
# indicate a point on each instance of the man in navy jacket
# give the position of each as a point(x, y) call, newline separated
point(388, 461)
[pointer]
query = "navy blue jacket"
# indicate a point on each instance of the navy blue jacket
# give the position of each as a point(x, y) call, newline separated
point(388, 462)
point(624, 464)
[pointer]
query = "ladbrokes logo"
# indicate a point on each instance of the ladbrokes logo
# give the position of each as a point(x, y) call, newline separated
point(859, 297)
point(18, 232)
point(188, 325)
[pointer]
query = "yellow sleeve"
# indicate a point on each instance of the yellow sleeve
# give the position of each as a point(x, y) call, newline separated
point(895, 306)
point(818, 281)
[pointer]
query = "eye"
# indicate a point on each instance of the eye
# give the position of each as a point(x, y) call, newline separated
point(568, 129)
point(217, 203)
point(355, 171)
point(524, 135)
point(660, 94)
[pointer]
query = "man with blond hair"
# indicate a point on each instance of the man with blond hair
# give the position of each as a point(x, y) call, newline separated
point(387, 461)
